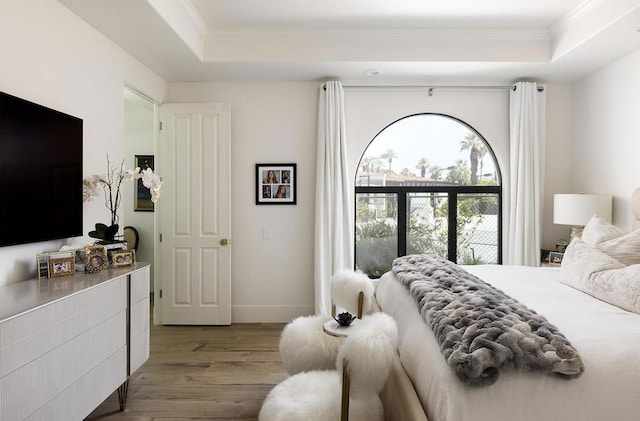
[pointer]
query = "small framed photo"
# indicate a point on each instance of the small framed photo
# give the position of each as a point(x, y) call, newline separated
point(555, 258)
point(142, 199)
point(42, 262)
point(113, 248)
point(276, 184)
point(62, 267)
point(95, 258)
point(123, 258)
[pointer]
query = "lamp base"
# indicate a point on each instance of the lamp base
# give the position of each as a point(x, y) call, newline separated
point(576, 231)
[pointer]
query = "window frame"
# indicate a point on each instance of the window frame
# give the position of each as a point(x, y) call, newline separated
point(452, 191)
point(401, 193)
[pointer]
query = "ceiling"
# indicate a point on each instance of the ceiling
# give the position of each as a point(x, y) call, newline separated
point(369, 41)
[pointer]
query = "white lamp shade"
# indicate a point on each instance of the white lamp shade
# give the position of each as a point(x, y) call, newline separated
point(578, 209)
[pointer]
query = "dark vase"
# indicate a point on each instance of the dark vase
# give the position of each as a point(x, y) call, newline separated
point(105, 234)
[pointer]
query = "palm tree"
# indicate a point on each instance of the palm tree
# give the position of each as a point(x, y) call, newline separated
point(472, 143)
point(423, 165)
point(389, 155)
point(407, 172)
point(460, 173)
point(482, 151)
point(365, 162)
point(435, 172)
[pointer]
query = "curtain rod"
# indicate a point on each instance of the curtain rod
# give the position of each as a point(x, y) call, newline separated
point(431, 88)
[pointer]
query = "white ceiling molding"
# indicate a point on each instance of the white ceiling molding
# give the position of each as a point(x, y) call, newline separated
point(563, 23)
point(493, 41)
point(593, 22)
point(338, 34)
point(187, 23)
point(378, 45)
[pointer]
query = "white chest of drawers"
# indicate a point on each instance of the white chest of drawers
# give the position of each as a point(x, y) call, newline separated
point(67, 343)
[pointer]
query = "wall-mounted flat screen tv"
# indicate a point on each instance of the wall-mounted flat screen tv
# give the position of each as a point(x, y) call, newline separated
point(40, 173)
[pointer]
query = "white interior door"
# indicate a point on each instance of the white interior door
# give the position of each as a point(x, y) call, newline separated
point(195, 214)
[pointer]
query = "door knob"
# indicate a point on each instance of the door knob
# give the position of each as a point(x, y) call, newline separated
point(224, 242)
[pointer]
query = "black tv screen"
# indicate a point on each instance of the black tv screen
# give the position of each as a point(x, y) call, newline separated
point(40, 173)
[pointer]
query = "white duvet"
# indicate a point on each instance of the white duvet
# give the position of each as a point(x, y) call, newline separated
point(607, 338)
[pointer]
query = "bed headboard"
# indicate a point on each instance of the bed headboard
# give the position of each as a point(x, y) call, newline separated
point(635, 207)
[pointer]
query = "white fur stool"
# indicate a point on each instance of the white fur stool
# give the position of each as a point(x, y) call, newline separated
point(366, 355)
point(304, 346)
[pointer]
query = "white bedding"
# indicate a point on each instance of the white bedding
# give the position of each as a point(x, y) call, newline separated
point(607, 338)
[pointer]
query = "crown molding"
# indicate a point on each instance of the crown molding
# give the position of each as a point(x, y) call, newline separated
point(182, 17)
point(378, 34)
point(562, 24)
point(192, 15)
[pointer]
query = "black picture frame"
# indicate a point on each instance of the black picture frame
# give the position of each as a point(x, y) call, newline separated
point(142, 195)
point(276, 184)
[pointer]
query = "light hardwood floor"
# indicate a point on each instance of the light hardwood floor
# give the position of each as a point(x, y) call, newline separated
point(202, 373)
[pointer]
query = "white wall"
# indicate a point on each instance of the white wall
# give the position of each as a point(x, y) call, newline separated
point(558, 161)
point(606, 141)
point(487, 111)
point(51, 57)
point(271, 280)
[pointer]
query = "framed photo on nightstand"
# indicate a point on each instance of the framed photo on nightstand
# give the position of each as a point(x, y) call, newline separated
point(555, 258)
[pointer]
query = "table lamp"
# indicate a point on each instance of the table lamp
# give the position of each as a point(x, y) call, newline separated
point(577, 209)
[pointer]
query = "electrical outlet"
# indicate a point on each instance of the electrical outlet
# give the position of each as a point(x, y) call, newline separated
point(266, 233)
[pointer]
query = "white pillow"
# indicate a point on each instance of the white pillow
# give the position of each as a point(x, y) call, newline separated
point(610, 240)
point(595, 273)
point(599, 230)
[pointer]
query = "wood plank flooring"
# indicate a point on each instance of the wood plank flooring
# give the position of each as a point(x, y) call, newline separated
point(202, 373)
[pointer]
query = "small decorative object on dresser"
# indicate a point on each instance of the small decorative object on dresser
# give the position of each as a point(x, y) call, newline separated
point(62, 267)
point(123, 258)
point(42, 262)
point(95, 258)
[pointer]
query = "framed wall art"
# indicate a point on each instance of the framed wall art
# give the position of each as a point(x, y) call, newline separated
point(276, 184)
point(142, 200)
point(95, 258)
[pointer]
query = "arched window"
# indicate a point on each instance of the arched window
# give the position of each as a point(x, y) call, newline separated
point(427, 183)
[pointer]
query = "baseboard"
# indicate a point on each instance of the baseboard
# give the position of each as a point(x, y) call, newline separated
point(268, 314)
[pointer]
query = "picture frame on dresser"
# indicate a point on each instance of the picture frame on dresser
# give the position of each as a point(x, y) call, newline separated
point(123, 258)
point(42, 261)
point(62, 267)
point(95, 259)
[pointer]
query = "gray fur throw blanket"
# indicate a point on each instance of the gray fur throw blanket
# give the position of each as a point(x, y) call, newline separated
point(480, 329)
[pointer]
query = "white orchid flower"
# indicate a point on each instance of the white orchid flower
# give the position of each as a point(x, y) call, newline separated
point(111, 185)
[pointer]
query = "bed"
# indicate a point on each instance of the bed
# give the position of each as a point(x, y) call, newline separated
point(606, 336)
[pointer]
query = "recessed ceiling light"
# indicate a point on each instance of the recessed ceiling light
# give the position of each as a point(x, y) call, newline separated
point(372, 72)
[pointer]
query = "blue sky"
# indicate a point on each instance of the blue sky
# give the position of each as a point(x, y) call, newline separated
point(436, 138)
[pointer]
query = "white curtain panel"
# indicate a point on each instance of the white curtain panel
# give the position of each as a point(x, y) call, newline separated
point(527, 145)
point(334, 217)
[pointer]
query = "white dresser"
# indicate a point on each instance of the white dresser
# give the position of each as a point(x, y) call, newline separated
point(67, 343)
